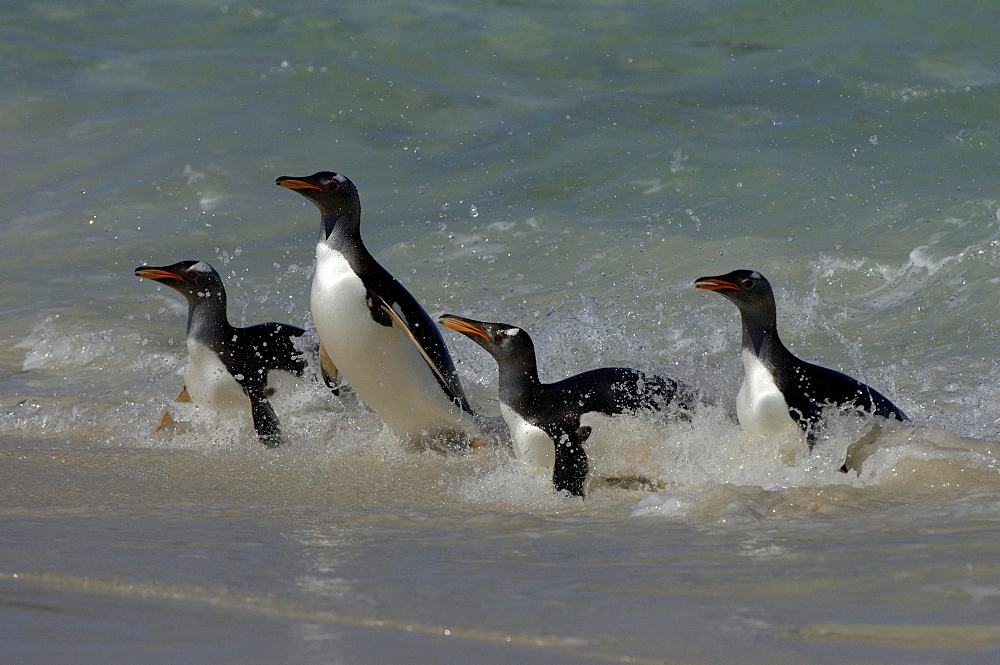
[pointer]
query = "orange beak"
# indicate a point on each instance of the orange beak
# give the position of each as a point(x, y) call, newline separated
point(156, 273)
point(292, 183)
point(713, 284)
point(462, 326)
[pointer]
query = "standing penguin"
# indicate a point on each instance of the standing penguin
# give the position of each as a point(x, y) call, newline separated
point(779, 390)
point(379, 337)
point(550, 422)
point(228, 367)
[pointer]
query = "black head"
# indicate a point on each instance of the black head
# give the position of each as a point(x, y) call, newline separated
point(335, 196)
point(196, 280)
point(748, 289)
point(507, 344)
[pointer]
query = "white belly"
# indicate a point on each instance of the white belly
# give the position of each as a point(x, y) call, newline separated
point(760, 406)
point(210, 384)
point(531, 444)
point(380, 363)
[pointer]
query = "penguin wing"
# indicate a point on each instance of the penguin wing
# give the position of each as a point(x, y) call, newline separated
point(253, 380)
point(429, 344)
point(265, 420)
point(571, 463)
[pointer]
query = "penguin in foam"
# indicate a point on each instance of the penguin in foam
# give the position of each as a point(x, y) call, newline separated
point(228, 367)
point(550, 422)
point(376, 333)
point(781, 391)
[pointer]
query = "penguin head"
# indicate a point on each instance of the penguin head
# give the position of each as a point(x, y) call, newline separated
point(507, 344)
point(748, 289)
point(196, 280)
point(335, 195)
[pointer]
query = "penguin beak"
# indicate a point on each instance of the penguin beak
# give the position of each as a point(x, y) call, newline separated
point(156, 273)
point(295, 183)
point(715, 284)
point(463, 326)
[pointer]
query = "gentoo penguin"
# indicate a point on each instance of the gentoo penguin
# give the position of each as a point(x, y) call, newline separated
point(779, 390)
point(379, 337)
point(228, 367)
point(550, 422)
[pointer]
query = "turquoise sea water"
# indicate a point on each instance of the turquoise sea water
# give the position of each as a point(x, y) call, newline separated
point(569, 167)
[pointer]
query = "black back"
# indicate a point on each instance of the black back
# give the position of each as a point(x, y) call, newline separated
point(809, 388)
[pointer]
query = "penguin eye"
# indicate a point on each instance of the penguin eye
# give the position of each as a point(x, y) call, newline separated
point(747, 284)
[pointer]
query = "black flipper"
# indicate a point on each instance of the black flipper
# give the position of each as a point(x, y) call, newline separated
point(571, 463)
point(265, 422)
point(381, 311)
point(445, 373)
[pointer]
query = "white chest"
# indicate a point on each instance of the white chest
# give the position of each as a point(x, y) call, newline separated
point(338, 298)
point(381, 363)
point(531, 444)
point(760, 406)
point(210, 384)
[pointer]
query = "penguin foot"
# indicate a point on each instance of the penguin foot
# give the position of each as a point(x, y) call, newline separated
point(861, 450)
point(167, 422)
point(636, 483)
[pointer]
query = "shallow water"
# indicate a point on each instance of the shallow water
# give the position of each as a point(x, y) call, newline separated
point(570, 168)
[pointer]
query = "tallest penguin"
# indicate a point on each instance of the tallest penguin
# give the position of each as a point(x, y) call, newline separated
point(378, 336)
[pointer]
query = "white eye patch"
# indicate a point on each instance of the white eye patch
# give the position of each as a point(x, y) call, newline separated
point(339, 178)
point(201, 266)
point(755, 275)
